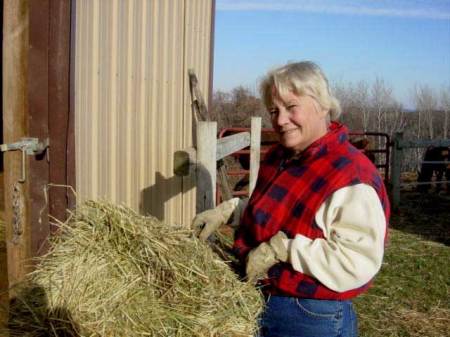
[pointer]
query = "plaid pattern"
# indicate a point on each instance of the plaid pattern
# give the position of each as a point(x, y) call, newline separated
point(287, 196)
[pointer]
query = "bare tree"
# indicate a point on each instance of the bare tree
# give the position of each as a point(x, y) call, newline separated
point(426, 104)
point(220, 107)
point(354, 103)
point(237, 107)
point(371, 107)
point(362, 100)
point(381, 97)
point(445, 105)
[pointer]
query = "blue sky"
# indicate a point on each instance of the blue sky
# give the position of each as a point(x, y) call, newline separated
point(405, 42)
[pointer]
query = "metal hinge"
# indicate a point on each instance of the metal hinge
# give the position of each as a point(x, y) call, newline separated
point(28, 146)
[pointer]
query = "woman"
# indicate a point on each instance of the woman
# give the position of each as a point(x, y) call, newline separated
point(313, 231)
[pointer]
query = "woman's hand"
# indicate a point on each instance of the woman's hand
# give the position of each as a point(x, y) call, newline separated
point(207, 222)
point(266, 255)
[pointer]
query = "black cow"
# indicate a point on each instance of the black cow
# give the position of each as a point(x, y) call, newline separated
point(363, 144)
point(427, 169)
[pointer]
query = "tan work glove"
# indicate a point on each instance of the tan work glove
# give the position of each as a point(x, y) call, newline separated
point(266, 255)
point(238, 212)
point(207, 222)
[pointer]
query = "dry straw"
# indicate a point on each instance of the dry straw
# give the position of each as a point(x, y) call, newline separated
point(112, 272)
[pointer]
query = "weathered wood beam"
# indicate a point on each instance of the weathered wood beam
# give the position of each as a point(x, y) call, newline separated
point(231, 144)
point(255, 150)
point(15, 126)
point(185, 160)
point(406, 144)
point(206, 165)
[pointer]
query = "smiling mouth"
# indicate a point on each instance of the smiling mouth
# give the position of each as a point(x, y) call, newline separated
point(284, 132)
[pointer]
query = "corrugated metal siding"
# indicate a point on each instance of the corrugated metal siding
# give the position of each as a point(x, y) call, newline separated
point(132, 102)
point(197, 57)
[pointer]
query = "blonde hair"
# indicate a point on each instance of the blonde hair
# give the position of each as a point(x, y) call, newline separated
point(301, 78)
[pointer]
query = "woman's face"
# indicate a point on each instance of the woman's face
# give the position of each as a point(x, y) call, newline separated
point(298, 120)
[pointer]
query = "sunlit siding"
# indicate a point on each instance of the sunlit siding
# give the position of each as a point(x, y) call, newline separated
point(132, 101)
point(197, 57)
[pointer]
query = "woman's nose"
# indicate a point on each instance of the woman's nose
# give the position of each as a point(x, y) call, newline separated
point(282, 117)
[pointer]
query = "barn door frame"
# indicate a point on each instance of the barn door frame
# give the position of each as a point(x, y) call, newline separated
point(36, 103)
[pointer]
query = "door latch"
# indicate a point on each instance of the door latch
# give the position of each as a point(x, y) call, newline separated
point(28, 146)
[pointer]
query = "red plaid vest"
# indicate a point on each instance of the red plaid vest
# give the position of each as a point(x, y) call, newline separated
point(287, 195)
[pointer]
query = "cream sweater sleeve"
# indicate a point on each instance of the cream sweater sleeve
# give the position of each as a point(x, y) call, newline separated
point(354, 225)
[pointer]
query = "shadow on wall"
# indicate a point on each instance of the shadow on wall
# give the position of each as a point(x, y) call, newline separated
point(153, 198)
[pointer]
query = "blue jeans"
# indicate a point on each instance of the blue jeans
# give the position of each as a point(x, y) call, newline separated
point(301, 317)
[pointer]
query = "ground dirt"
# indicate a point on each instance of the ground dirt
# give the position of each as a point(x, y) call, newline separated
point(424, 214)
point(410, 296)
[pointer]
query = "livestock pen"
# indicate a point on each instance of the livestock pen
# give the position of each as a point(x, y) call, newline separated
point(399, 145)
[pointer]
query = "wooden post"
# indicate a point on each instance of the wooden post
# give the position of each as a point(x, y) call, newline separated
point(255, 146)
point(206, 165)
point(61, 169)
point(396, 164)
point(38, 119)
point(15, 115)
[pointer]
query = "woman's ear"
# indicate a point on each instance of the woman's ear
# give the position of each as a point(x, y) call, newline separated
point(323, 113)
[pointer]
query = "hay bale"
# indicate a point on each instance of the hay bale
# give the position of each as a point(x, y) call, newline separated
point(112, 272)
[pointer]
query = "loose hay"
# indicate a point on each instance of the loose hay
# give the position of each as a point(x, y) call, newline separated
point(112, 272)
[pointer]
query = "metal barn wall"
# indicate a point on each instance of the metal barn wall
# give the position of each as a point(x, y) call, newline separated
point(132, 100)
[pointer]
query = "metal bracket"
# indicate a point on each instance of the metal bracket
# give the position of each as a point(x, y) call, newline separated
point(28, 146)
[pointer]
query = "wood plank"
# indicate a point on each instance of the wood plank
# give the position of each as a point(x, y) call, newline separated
point(255, 151)
point(231, 144)
point(38, 120)
point(71, 167)
point(4, 296)
point(406, 144)
point(59, 105)
point(206, 165)
point(198, 103)
point(15, 112)
point(416, 183)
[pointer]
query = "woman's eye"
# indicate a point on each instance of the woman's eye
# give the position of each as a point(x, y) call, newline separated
point(273, 112)
point(292, 106)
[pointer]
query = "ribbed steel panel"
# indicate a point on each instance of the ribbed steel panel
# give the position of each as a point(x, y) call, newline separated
point(132, 101)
